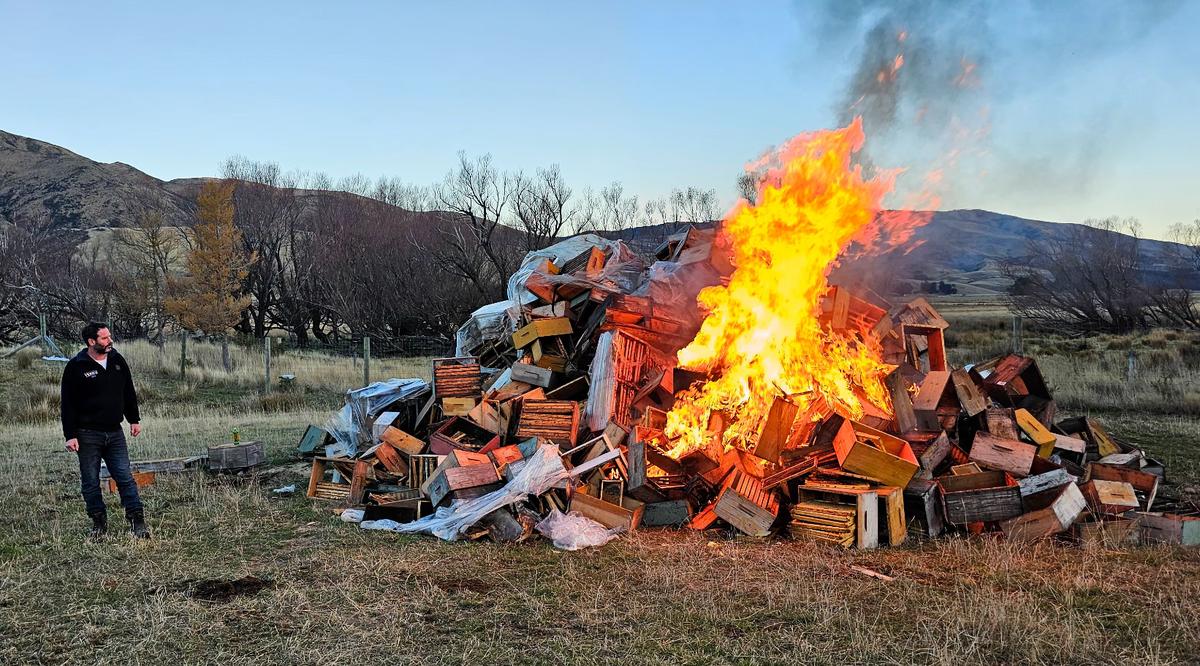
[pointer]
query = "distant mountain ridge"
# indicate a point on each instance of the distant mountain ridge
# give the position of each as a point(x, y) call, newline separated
point(39, 178)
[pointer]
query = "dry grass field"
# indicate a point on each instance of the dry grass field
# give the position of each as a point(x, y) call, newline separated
point(236, 573)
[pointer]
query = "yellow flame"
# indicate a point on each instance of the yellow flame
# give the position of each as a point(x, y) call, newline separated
point(761, 337)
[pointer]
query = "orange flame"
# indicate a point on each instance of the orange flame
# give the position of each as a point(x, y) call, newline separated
point(761, 337)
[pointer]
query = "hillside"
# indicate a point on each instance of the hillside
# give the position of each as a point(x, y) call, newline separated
point(39, 178)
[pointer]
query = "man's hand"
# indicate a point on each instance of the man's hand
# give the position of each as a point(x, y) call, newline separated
point(135, 429)
point(73, 444)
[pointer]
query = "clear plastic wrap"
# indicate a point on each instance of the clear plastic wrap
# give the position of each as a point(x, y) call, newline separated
point(675, 286)
point(350, 426)
point(488, 323)
point(543, 471)
point(622, 270)
point(573, 531)
point(601, 382)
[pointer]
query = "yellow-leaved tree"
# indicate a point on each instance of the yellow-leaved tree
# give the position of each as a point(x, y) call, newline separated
point(209, 298)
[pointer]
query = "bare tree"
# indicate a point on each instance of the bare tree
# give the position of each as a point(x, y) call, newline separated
point(1172, 302)
point(620, 211)
point(268, 212)
point(541, 206)
point(147, 253)
point(695, 206)
point(476, 249)
point(1088, 279)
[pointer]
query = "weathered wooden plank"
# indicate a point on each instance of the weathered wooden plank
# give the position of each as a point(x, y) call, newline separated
point(929, 397)
point(1039, 482)
point(968, 393)
point(775, 431)
point(906, 418)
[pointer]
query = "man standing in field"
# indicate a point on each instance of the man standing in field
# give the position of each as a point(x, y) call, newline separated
point(97, 394)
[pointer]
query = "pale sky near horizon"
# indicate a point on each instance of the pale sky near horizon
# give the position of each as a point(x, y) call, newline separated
point(653, 94)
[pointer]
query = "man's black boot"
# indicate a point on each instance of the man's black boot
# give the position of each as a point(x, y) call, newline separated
point(99, 525)
point(137, 525)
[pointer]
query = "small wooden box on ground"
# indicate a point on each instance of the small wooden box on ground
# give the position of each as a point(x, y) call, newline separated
point(1048, 512)
point(449, 483)
point(627, 516)
point(142, 479)
point(745, 505)
point(981, 497)
point(1168, 528)
point(236, 456)
point(319, 488)
point(823, 514)
point(1109, 497)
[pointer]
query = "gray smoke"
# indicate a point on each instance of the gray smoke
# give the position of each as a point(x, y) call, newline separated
point(967, 64)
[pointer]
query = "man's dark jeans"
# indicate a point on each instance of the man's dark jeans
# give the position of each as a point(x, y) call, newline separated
point(94, 445)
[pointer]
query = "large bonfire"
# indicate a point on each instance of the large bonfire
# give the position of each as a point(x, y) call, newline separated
point(762, 337)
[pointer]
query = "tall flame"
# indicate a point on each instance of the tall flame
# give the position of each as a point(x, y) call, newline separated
point(761, 337)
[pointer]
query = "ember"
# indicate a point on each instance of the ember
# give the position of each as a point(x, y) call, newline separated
point(730, 386)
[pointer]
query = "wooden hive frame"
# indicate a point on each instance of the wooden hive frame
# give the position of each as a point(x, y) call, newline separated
point(459, 377)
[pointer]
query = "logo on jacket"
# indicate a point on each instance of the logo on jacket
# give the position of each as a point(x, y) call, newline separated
point(91, 373)
point(118, 367)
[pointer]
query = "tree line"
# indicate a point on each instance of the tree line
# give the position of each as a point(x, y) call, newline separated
point(1100, 277)
point(325, 261)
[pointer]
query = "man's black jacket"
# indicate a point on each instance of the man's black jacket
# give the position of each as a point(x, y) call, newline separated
point(95, 397)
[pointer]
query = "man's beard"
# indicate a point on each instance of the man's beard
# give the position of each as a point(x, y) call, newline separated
point(101, 349)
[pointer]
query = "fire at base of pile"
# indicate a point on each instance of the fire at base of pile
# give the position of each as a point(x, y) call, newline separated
point(570, 439)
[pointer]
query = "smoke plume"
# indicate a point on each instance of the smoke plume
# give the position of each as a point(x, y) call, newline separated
point(942, 85)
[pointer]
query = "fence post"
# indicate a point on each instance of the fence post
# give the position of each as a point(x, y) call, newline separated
point(1129, 372)
point(366, 360)
point(267, 364)
point(1017, 334)
point(42, 332)
point(183, 355)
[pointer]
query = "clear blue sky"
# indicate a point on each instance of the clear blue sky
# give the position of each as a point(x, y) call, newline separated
point(654, 94)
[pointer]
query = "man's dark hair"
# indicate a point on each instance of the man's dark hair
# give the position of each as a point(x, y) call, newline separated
point(92, 331)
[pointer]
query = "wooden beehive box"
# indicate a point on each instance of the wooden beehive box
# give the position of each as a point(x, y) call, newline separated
point(541, 328)
point(461, 433)
point(627, 515)
point(980, 497)
point(457, 377)
point(236, 456)
point(556, 420)
point(1048, 512)
point(1109, 497)
point(142, 479)
point(864, 450)
point(1004, 455)
point(745, 505)
point(865, 503)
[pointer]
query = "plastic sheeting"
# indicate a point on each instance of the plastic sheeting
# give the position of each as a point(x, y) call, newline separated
point(543, 471)
point(622, 270)
point(488, 323)
point(573, 531)
point(350, 426)
point(601, 382)
point(674, 286)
